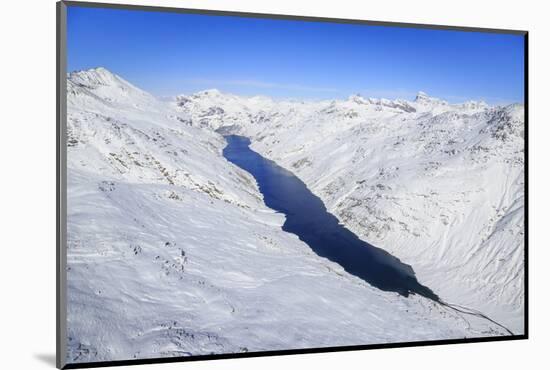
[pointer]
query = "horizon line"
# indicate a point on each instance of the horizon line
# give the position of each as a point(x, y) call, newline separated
point(378, 94)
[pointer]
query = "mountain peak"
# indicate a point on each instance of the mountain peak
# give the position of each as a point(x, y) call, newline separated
point(357, 98)
point(210, 92)
point(98, 71)
point(95, 77)
point(421, 95)
point(423, 98)
point(106, 85)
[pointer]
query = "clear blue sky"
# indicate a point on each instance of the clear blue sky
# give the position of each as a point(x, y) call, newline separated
point(169, 53)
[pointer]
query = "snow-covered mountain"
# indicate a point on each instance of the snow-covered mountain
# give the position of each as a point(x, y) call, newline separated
point(172, 252)
point(439, 185)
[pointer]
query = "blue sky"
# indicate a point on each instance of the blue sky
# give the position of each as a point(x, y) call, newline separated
point(170, 53)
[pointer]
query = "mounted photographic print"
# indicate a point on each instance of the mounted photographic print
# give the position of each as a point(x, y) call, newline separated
point(234, 184)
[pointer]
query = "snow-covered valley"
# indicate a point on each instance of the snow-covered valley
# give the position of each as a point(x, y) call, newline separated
point(172, 251)
point(438, 185)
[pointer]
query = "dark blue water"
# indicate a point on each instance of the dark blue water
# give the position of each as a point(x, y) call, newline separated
point(308, 218)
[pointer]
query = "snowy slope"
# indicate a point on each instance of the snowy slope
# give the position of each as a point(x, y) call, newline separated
point(171, 251)
point(438, 185)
